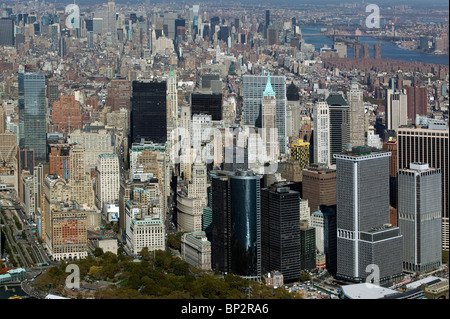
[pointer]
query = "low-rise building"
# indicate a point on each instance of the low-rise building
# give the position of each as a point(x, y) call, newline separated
point(196, 250)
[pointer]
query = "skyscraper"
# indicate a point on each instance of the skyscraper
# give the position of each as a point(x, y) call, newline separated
point(108, 179)
point(365, 237)
point(207, 103)
point(420, 217)
point(32, 102)
point(321, 133)
point(237, 224)
point(417, 101)
point(253, 87)
point(6, 32)
point(172, 99)
point(356, 51)
point(319, 187)
point(300, 153)
point(280, 231)
point(339, 111)
point(357, 115)
point(431, 146)
point(365, 51)
point(377, 51)
point(269, 122)
point(148, 112)
point(396, 109)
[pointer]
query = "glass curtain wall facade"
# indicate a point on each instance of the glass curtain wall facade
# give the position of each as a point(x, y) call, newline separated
point(32, 103)
point(253, 89)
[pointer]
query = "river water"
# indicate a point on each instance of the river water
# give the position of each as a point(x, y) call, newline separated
point(6, 294)
point(388, 49)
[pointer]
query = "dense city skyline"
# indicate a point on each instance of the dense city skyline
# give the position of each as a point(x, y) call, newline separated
point(226, 149)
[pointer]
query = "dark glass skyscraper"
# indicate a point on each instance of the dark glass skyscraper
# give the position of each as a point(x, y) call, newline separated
point(339, 111)
point(6, 32)
point(32, 102)
point(148, 112)
point(245, 208)
point(205, 103)
point(236, 224)
point(280, 232)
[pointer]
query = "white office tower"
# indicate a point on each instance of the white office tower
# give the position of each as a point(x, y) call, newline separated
point(321, 133)
point(269, 122)
point(172, 99)
point(420, 216)
point(197, 188)
point(396, 109)
point(357, 115)
point(108, 184)
point(183, 152)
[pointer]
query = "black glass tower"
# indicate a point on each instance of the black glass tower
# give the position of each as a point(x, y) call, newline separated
point(148, 112)
point(280, 231)
point(236, 206)
point(205, 103)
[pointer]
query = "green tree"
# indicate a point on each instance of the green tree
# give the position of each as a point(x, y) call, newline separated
point(97, 252)
point(304, 276)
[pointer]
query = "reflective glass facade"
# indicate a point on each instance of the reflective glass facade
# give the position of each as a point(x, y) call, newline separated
point(32, 102)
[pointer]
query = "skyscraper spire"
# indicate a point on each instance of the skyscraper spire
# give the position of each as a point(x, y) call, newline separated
point(269, 89)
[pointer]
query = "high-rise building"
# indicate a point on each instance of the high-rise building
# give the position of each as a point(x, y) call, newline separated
point(108, 178)
point(269, 122)
point(68, 231)
point(357, 115)
point(356, 51)
point(253, 89)
point(280, 231)
point(66, 114)
point(339, 111)
point(417, 102)
point(272, 36)
point(236, 243)
point(365, 51)
point(172, 99)
point(58, 159)
point(341, 49)
point(119, 94)
point(364, 235)
point(377, 51)
point(80, 181)
point(96, 140)
point(148, 112)
point(431, 146)
point(420, 217)
point(319, 187)
point(324, 223)
point(396, 109)
point(32, 103)
point(392, 146)
point(307, 246)
point(300, 153)
point(321, 133)
point(207, 103)
point(6, 32)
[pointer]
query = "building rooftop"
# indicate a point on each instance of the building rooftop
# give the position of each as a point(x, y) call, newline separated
point(361, 151)
point(366, 291)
